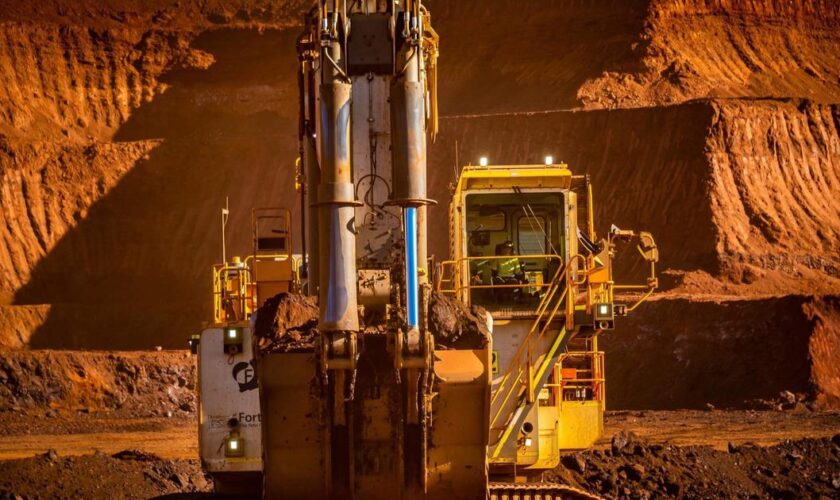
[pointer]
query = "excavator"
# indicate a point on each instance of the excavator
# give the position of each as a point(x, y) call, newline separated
point(380, 406)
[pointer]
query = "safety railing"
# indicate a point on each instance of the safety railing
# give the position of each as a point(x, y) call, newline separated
point(456, 276)
point(649, 251)
point(517, 389)
point(519, 373)
point(234, 286)
point(594, 378)
point(230, 291)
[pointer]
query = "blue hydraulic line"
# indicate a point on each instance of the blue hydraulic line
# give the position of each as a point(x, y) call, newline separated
point(411, 292)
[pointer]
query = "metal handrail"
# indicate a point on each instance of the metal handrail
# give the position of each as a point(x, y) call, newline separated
point(567, 382)
point(458, 286)
point(244, 274)
point(561, 276)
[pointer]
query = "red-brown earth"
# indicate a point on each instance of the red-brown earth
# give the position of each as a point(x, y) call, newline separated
point(715, 125)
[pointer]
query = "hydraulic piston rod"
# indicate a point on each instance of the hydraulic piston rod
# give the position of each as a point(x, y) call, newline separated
point(411, 284)
point(336, 200)
point(408, 147)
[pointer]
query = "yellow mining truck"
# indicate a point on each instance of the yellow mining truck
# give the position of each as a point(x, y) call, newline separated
point(382, 404)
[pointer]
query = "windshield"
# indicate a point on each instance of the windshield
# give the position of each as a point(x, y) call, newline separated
point(511, 238)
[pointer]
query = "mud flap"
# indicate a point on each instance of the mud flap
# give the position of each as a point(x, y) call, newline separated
point(457, 461)
point(293, 462)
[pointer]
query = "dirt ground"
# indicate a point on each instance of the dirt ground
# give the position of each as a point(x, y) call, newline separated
point(635, 468)
point(126, 474)
point(175, 438)
point(68, 456)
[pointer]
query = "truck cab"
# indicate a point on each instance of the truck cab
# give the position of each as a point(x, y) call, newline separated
point(523, 247)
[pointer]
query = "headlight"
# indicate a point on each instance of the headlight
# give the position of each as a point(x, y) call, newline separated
point(603, 312)
point(234, 447)
point(233, 340)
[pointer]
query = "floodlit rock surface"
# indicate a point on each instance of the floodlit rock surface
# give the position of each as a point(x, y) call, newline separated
point(124, 126)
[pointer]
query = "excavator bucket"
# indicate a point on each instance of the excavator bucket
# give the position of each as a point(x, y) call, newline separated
point(460, 412)
point(292, 436)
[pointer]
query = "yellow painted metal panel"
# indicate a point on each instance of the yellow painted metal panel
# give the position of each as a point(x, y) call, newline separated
point(581, 423)
point(460, 412)
point(549, 456)
point(293, 452)
point(273, 270)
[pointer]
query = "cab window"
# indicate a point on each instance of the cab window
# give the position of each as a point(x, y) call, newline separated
point(532, 233)
point(508, 236)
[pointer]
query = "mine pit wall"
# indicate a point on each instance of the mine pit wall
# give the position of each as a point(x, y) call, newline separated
point(692, 49)
point(47, 188)
point(118, 147)
point(19, 323)
point(123, 127)
point(775, 178)
point(72, 83)
point(196, 106)
point(685, 353)
point(723, 185)
point(696, 175)
point(647, 165)
point(504, 55)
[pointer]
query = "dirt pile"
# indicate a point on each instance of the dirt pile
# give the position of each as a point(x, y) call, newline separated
point(131, 384)
point(456, 326)
point(127, 474)
point(633, 468)
point(689, 352)
point(287, 322)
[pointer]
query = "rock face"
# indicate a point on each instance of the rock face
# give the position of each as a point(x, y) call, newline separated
point(741, 191)
point(124, 126)
point(119, 141)
point(731, 49)
point(730, 352)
